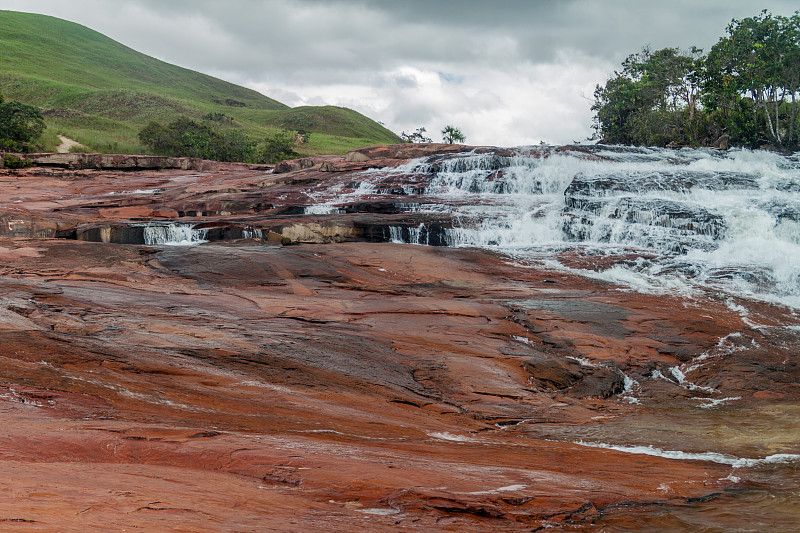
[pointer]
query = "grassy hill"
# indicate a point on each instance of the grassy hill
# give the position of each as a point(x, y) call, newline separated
point(100, 92)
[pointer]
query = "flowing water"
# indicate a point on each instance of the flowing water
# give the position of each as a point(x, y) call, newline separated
point(177, 234)
point(654, 220)
point(173, 235)
point(685, 220)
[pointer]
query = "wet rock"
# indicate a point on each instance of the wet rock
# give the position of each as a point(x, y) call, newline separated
point(569, 376)
point(722, 142)
point(552, 373)
point(603, 184)
point(599, 383)
point(648, 212)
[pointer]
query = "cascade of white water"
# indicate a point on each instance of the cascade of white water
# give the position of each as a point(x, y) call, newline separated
point(730, 220)
point(410, 235)
point(174, 235)
point(252, 233)
point(396, 235)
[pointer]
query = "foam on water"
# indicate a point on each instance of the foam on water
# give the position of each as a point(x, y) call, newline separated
point(321, 209)
point(508, 488)
point(443, 435)
point(714, 457)
point(137, 191)
point(709, 403)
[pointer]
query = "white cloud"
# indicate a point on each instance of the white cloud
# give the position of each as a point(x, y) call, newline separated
point(524, 105)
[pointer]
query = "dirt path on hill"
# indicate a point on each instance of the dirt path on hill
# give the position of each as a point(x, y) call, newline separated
point(66, 144)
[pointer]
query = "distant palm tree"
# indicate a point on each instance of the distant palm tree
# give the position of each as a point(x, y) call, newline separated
point(451, 134)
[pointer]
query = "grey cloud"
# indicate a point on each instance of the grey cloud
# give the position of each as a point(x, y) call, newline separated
point(359, 52)
point(293, 39)
point(402, 81)
point(305, 35)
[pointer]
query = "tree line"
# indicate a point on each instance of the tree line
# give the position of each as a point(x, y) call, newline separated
point(744, 92)
point(187, 138)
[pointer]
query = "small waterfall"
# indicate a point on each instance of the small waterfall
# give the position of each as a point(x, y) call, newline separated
point(425, 234)
point(396, 235)
point(252, 233)
point(410, 234)
point(174, 235)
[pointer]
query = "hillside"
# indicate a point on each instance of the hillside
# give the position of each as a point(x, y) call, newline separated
point(101, 92)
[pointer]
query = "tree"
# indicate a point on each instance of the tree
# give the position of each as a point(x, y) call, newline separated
point(746, 88)
point(670, 79)
point(417, 137)
point(614, 105)
point(21, 126)
point(759, 61)
point(653, 100)
point(451, 134)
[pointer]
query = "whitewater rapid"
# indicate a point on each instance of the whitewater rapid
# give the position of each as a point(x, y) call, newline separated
point(693, 219)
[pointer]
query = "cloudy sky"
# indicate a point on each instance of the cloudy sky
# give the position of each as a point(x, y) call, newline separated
point(507, 72)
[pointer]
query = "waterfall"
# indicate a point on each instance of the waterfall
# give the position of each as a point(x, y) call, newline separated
point(695, 218)
point(174, 235)
point(252, 233)
point(411, 234)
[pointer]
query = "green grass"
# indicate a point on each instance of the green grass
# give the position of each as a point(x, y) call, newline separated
point(101, 93)
point(50, 140)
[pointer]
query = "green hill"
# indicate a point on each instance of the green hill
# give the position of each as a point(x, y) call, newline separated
point(100, 92)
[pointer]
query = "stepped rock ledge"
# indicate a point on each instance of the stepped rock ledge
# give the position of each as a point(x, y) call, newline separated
point(297, 372)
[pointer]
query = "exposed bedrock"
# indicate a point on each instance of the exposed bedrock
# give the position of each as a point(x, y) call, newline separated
point(568, 375)
point(346, 378)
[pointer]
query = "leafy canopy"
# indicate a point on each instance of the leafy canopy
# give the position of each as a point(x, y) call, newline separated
point(746, 88)
point(21, 126)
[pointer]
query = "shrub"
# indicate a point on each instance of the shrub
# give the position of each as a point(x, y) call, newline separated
point(12, 161)
point(417, 137)
point(222, 118)
point(187, 138)
point(21, 126)
point(275, 148)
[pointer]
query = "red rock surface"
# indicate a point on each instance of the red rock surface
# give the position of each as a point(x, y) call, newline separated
point(247, 386)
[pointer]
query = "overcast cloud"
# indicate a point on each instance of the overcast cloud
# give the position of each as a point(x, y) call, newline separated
point(507, 72)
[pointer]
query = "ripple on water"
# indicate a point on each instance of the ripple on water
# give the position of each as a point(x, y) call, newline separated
point(739, 511)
